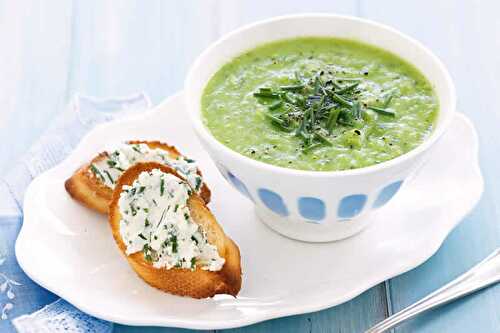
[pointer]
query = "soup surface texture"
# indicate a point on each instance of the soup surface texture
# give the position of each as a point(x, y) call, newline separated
point(319, 104)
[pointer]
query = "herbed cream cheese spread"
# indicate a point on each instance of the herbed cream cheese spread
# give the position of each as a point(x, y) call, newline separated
point(111, 168)
point(155, 220)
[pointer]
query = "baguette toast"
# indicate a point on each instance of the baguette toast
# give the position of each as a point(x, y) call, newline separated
point(197, 282)
point(85, 187)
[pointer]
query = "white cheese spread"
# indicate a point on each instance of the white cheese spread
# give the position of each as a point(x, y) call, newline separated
point(108, 170)
point(155, 220)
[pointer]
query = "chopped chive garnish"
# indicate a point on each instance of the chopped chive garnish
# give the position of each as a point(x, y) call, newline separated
point(356, 110)
point(274, 118)
point(174, 243)
point(136, 148)
point(266, 95)
point(96, 172)
point(335, 85)
point(294, 87)
point(388, 100)
point(341, 100)
point(142, 236)
point(323, 139)
point(289, 99)
point(109, 176)
point(317, 85)
point(162, 186)
point(382, 111)
point(340, 79)
point(314, 106)
point(348, 88)
point(111, 163)
point(161, 218)
point(198, 183)
point(332, 119)
point(275, 105)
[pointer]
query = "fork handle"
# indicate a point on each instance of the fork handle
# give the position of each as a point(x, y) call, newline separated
point(486, 273)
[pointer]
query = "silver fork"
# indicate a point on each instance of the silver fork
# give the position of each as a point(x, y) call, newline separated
point(484, 274)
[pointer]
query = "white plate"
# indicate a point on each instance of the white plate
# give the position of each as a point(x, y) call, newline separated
point(70, 251)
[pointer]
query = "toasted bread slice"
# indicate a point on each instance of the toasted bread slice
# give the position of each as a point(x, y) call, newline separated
point(197, 283)
point(89, 190)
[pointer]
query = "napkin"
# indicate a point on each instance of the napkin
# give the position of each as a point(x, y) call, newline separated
point(24, 305)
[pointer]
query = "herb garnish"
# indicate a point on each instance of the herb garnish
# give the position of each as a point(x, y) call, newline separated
point(96, 172)
point(174, 243)
point(313, 107)
point(194, 240)
point(136, 148)
point(198, 183)
point(109, 176)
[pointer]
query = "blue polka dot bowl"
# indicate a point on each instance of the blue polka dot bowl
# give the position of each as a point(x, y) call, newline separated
point(317, 206)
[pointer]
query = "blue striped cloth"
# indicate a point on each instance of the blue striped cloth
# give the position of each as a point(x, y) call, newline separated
point(24, 305)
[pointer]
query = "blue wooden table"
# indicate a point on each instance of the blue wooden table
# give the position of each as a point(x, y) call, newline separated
point(51, 50)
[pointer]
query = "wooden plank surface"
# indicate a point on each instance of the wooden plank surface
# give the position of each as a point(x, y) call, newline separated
point(465, 36)
point(112, 48)
point(34, 67)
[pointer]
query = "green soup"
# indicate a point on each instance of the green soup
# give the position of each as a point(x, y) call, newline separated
point(319, 104)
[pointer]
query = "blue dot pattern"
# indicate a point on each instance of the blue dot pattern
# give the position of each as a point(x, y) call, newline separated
point(223, 171)
point(238, 184)
point(273, 201)
point(351, 205)
point(387, 193)
point(312, 208)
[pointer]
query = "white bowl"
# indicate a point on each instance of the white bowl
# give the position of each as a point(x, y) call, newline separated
point(317, 206)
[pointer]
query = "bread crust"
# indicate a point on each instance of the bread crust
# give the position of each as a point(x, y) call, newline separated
point(87, 189)
point(198, 283)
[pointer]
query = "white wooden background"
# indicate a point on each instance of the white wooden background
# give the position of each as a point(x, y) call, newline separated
point(53, 49)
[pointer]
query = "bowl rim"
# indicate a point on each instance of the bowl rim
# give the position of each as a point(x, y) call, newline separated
point(205, 134)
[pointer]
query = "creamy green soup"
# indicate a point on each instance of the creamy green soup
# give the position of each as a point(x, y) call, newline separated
point(319, 104)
